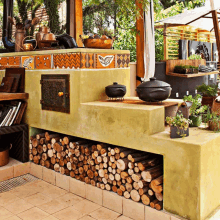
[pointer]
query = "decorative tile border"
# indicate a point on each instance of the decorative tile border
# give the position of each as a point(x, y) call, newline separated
point(67, 61)
point(43, 62)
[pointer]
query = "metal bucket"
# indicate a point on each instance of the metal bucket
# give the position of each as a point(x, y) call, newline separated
point(4, 157)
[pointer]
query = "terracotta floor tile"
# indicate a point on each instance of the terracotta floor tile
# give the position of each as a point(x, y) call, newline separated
point(53, 206)
point(86, 207)
point(68, 213)
point(104, 213)
point(53, 191)
point(33, 214)
point(18, 206)
point(50, 217)
point(7, 198)
point(124, 218)
point(38, 199)
point(24, 191)
point(86, 218)
point(13, 218)
point(4, 213)
point(70, 199)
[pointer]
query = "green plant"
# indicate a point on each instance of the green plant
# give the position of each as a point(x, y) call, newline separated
point(213, 119)
point(208, 90)
point(196, 108)
point(195, 57)
point(180, 122)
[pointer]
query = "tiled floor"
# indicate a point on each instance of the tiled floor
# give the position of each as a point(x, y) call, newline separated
point(41, 200)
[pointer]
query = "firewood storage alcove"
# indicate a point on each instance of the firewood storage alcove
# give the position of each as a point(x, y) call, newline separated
point(136, 175)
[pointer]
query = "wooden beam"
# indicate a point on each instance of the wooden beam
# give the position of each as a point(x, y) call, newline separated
point(217, 33)
point(75, 20)
point(198, 18)
point(140, 43)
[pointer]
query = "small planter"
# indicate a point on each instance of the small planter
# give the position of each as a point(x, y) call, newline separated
point(214, 126)
point(178, 133)
point(208, 100)
point(196, 120)
point(195, 70)
point(4, 156)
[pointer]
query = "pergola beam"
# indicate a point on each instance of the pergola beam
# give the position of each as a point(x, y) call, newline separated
point(75, 20)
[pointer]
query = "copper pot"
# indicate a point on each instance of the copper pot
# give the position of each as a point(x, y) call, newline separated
point(28, 47)
point(19, 37)
point(49, 36)
point(39, 36)
point(4, 157)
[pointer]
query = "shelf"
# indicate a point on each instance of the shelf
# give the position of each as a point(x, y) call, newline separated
point(192, 75)
point(13, 96)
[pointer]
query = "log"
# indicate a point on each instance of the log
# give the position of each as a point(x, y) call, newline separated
point(47, 164)
point(68, 139)
point(126, 153)
point(53, 160)
point(50, 136)
point(101, 146)
point(130, 165)
point(137, 154)
point(129, 179)
point(150, 192)
point(36, 159)
point(111, 177)
point(34, 151)
point(122, 164)
point(159, 206)
point(44, 156)
point(122, 188)
point(159, 196)
point(128, 187)
point(69, 166)
point(119, 192)
point(117, 177)
point(124, 175)
point(101, 173)
point(136, 177)
point(42, 141)
point(108, 187)
point(62, 170)
point(57, 167)
point(72, 174)
point(136, 170)
point(142, 184)
point(143, 191)
point(55, 139)
point(157, 184)
point(31, 157)
point(127, 195)
point(153, 203)
point(44, 148)
point(135, 185)
point(42, 163)
point(135, 195)
point(118, 150)
point(130, 172)
point(147, 199)
point(35, 142)
point(151, 173)
point(57, 147)
point(137, 159)
point(39, 136)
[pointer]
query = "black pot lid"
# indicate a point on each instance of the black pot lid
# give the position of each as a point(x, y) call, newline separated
point(115, 85)
point(153, 83)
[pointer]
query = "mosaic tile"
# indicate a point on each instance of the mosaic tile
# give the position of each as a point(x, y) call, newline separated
point(87, 60)
point(9, 62)
point(71, 61)
point(123, 60)
point(43, 62)
point(105, 61)
point(28, 62)
point(14, 61)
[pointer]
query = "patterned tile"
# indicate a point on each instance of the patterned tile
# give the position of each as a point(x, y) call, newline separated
point(43, 62)
point(28, 62)
point(9, 62)
point(71, 60)
point(123, 60)
point(105, 61)
point(87, 60)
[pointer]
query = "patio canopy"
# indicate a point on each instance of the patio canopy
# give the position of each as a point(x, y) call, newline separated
point(199, 17)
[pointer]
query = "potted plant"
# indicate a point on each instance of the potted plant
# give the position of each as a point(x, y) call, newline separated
point(186, 69)
point(196, 109)
point(213, 121)
point(179, 126)
point(195, 57)
point(209, 93)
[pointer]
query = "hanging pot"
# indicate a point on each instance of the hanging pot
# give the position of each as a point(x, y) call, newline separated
point(154, 90)
point(115, 91)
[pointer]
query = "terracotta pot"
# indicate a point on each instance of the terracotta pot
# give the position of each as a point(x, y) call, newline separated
point(4, 157)
point(214, 126)
point(208, 100)
point(178, 133)
point(39, 36)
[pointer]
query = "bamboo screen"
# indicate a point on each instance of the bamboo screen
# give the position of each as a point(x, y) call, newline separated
point(172, 35)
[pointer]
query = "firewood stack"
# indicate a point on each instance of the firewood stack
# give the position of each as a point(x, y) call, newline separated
point(130, 173)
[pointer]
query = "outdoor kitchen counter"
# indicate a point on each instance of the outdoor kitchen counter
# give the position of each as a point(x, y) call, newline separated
point(191, 164)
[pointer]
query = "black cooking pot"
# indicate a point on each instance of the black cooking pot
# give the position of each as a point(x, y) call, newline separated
point(115, 90)
point(153, 90)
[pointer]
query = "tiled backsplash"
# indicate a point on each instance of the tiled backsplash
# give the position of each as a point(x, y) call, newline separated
point(67, 61)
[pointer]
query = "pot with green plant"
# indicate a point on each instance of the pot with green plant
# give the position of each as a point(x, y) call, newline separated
point(209, 93)
point(186, 69)
point(213, 121)
point(196, 110)
point(179, 126)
